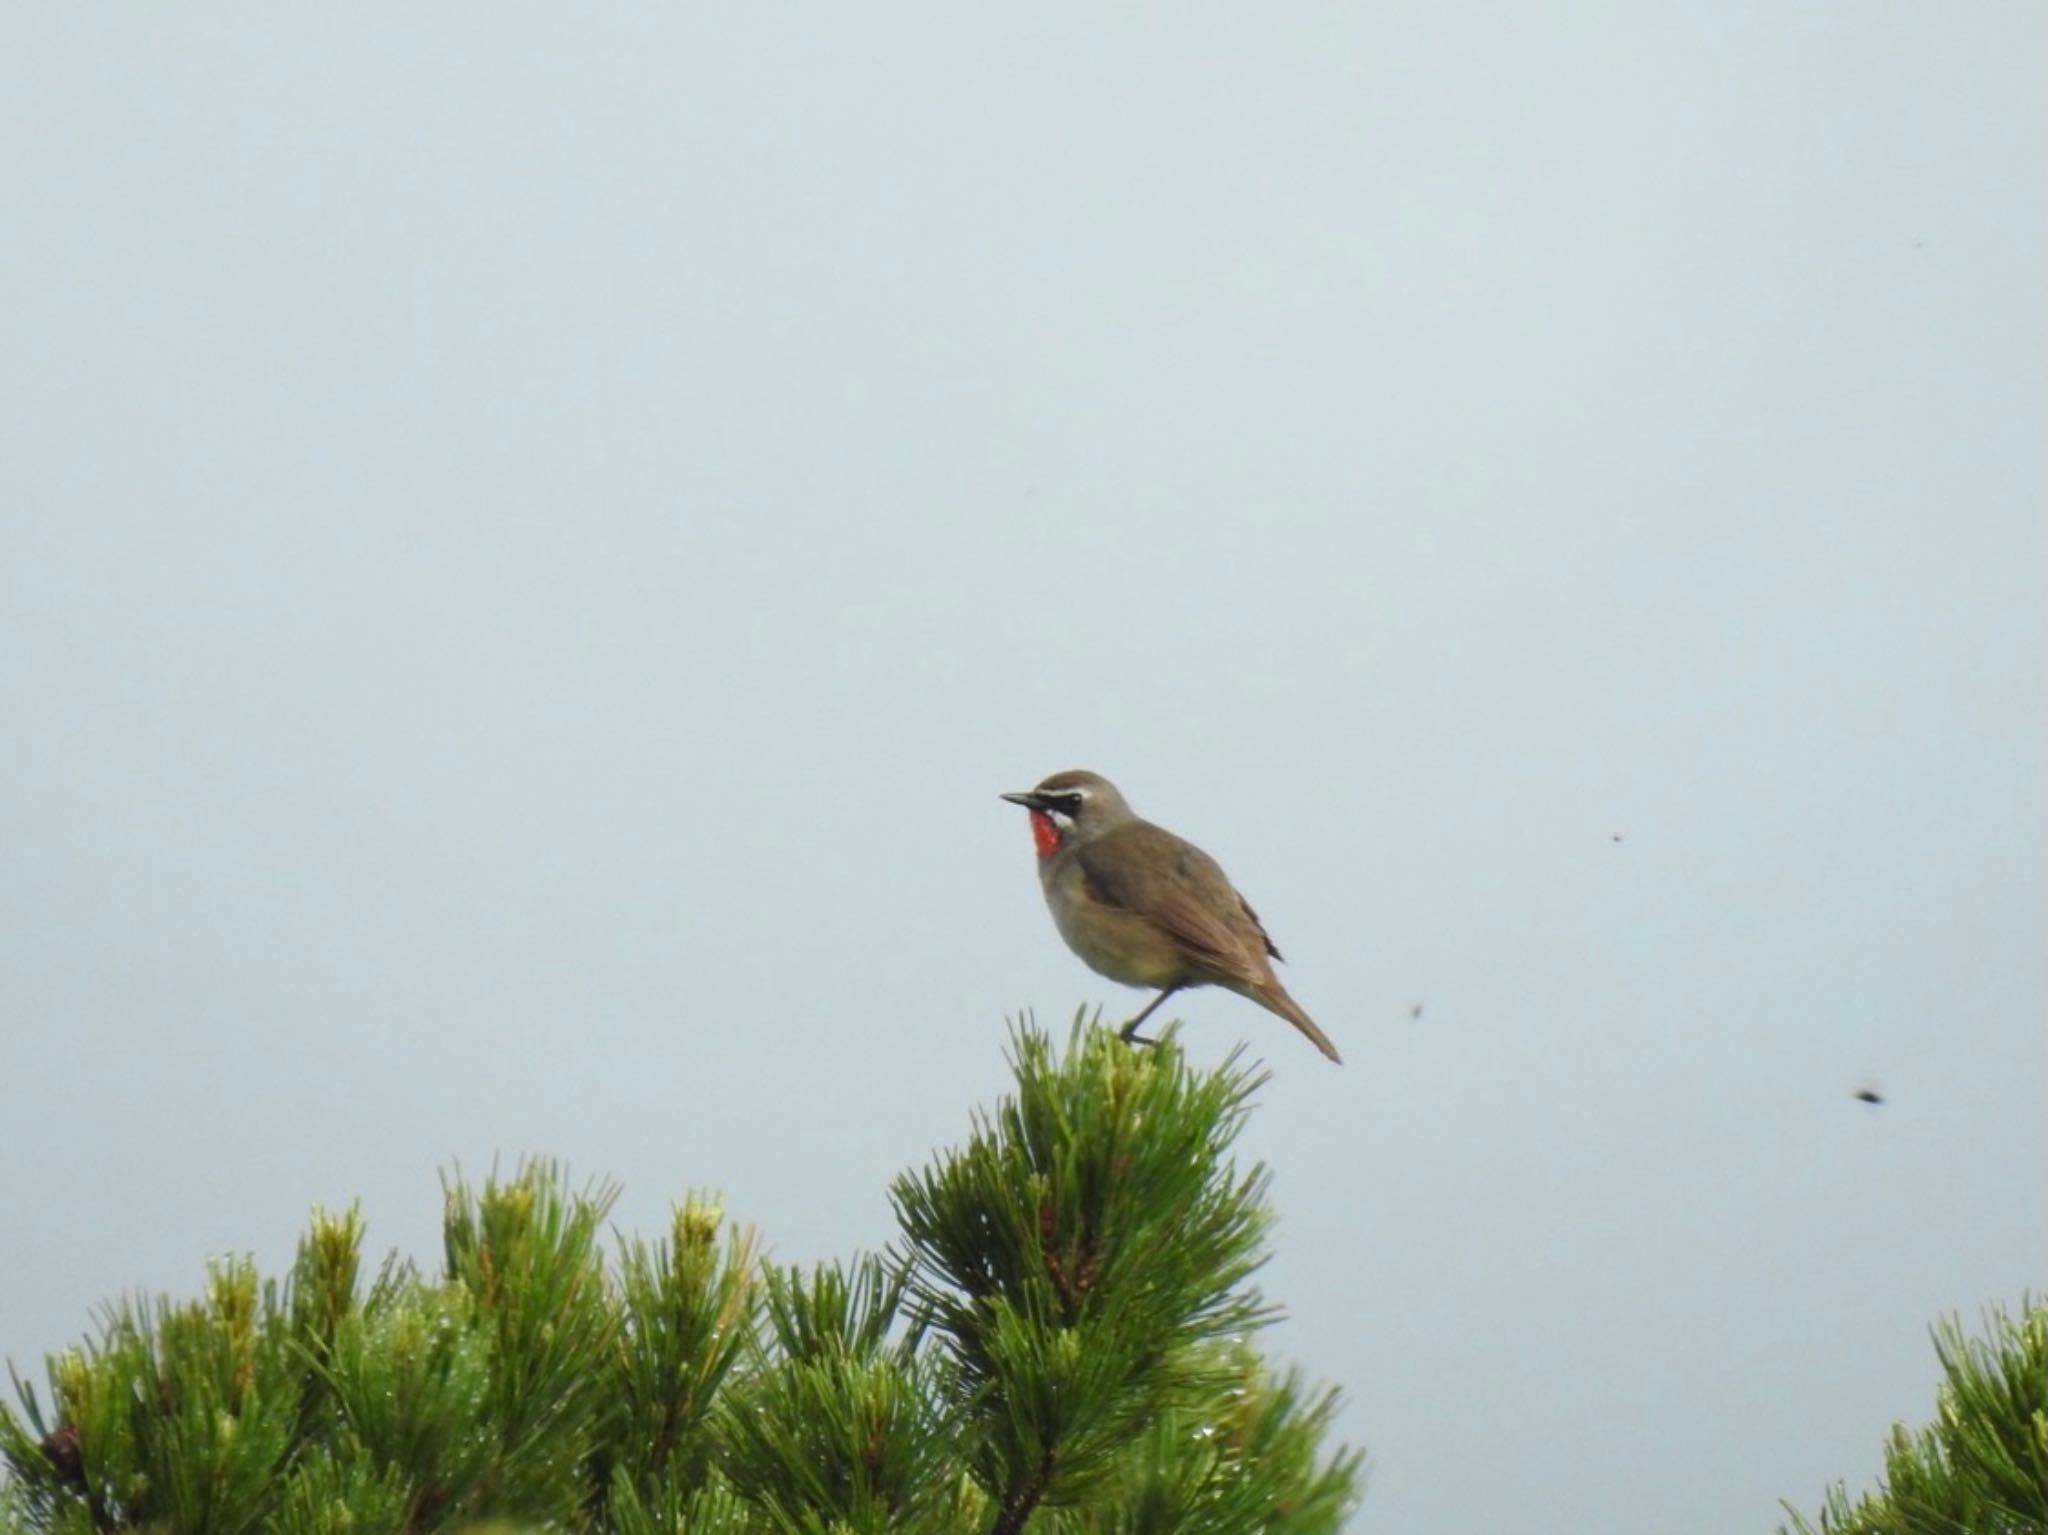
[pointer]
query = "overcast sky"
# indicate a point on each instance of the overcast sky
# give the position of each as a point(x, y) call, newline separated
point(532, 537)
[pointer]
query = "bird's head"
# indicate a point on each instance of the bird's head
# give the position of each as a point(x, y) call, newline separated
point(1070, 808)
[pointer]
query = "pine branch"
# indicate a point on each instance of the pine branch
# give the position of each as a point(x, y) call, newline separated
point(1059, 1343)
point(1092, 1231)
point(1019, 1504)
point(1982, 1466)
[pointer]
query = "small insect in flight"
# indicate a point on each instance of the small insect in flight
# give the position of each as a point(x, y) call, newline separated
point(1868, 1094)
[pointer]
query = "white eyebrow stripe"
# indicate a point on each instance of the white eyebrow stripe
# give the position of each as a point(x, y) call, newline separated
point(1075, 789)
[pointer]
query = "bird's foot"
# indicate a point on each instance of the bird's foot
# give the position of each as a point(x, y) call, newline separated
point(1129, 1034)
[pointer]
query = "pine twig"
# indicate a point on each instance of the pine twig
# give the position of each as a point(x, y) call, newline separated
point(1021, 1501)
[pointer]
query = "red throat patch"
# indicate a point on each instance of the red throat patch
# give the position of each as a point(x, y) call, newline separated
point(1045, 834)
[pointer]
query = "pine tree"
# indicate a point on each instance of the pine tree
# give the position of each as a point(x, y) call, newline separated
point(1981, 1468)
point(1059, 1341)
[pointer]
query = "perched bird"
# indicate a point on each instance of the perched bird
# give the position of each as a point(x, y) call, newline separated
point(1143, 907)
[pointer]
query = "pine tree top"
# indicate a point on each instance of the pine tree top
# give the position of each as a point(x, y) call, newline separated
point(1059, 1338)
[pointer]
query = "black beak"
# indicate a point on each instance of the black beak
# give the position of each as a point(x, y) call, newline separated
point(1030, 799)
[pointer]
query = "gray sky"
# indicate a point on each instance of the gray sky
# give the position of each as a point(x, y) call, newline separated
point(533, 538)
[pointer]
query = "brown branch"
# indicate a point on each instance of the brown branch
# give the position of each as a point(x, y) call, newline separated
point(1018, 1504)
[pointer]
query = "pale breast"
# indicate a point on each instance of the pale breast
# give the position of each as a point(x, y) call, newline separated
point(1109, 941)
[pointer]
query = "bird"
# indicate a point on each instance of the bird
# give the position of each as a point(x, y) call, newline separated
point(1146, 908)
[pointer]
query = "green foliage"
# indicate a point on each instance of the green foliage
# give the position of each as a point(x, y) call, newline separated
point(1981, 1468)
point(166, 1421)
point(1079, 1253)
point(687, 1310)
point(836, 1425)
point(1252, 1467)
point(1059, 1343)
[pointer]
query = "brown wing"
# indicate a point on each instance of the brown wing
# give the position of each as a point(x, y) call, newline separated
point(1149, 872)
point(1263, 936)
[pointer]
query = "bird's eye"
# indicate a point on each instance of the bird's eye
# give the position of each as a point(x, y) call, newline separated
point(1070, 803)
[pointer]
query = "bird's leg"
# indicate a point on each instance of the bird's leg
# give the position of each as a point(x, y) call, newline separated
point(1129, 1033)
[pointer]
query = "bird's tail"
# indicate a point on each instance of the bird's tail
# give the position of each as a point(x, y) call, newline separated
point(1272, 996)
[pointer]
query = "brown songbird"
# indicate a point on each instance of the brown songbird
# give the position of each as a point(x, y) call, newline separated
point(1143, 907)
